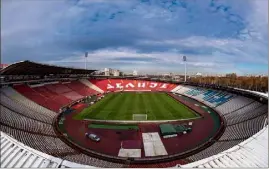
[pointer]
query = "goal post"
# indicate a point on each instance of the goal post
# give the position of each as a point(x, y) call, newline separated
point(140, 117)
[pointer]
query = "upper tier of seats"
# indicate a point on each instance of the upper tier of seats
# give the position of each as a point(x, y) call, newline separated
point(132, 85)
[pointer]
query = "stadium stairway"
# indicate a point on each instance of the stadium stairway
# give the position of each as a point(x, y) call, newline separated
point(91, 85)
point(176, 88)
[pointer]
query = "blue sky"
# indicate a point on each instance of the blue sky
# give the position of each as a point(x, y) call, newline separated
point(217, 36)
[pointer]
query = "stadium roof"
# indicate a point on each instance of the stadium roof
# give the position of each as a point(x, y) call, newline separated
point(33, 68)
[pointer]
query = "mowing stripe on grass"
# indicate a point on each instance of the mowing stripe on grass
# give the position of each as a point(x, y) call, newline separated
point(174, 113)
point(157, 107)
point(179, 109)
point(148, 104)
point(121, 106)
point(110, 108)
point(95, 109)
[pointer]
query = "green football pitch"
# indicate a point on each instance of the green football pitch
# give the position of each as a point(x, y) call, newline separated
point(122, 106)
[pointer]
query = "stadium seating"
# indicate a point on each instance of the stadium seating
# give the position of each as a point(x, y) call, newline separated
point(244, 129)
point(80, 88)
point(184, 89)
point(252, 152)
point(72, 95)
point(176, 89)
point(55, 147)
point(210, 97)
point(47, 144)
point(91, 85)
point(248, 112)
point(214, 149)
point(132, 85)
point(17, 155)
point(235, 104)
point(87, 160)
point(58, 88)
point(41, 99)
point(195, 91)
point(102, 84)
point(26, 115)
point(11, 93)
point(18, 121)
point(54, 96)
point(25, 111)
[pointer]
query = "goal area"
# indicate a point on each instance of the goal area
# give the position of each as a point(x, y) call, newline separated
point(140, 117)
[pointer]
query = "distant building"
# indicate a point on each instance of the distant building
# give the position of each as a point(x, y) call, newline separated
point(198, 74)
point(111, 72)
point(135, 73)
point(116, 73)
point(108, 71)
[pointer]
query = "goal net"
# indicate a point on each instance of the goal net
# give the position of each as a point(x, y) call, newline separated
point(140, 117)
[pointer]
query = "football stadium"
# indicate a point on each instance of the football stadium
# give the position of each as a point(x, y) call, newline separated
point(94, 121)
point(134, 84)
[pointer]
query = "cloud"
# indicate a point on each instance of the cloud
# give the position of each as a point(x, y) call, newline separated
point(214, 35)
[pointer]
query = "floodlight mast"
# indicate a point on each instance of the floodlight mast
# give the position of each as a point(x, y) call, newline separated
point(185, 62)
point(86, 55)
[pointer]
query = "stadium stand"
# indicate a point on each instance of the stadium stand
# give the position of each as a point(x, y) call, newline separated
point(80, 88)
point(54, 96)
point(253, 152)
point(250, 111)
point(47, 144)
point(235, 104)
point(14, 154)
point(31, 131)
point(244, 129)
point(18, 121)
point(232, 136)
point(11, 93)
point(176, 88)
point(73, 95)
point(131, 85)
point(211, 97)
point(25, 111)
point(91, 85)
point(28, 138)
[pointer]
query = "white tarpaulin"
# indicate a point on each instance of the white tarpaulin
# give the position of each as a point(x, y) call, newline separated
point(153, 144)
point(129, 152)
